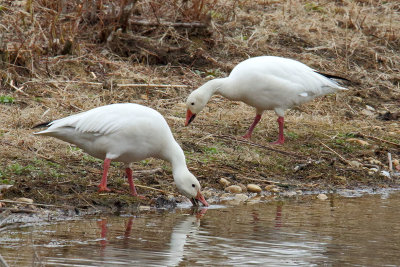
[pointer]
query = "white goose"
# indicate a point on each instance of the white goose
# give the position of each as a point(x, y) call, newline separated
point(266, 83)
point(126, 133)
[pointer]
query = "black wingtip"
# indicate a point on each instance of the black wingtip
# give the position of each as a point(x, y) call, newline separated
point(330, 76)
point(41, 125)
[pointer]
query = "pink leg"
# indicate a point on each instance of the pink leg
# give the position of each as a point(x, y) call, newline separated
point(131, 184)
point(103, 183)
point(130, 181)
point(250, 131)
point(281, 138)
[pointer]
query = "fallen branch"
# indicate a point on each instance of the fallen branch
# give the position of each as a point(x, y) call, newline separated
point(153, 85)
point(379, 139)
point(227, 137)
point(170, 24)
point(333, 151)
point(3, 262)
point(18, 89)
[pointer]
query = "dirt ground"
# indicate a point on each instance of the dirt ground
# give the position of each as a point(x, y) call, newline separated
point(51, 68)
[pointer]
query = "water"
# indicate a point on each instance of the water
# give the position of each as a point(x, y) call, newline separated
point(340, 231)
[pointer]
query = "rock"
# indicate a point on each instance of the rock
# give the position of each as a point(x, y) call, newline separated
point(355, 163)
point(253, 188)
point(385, 174)
point(358, 141)
point(144, 208)
point(374, 161)
point(372, 171)
point(234, 189)
point(367, 112)
point(224, 182)
point(396, 162)
point(357, 99)
point(208, 193)
point(289, 194)
point(272, 188)
point(241, 197)
point(244, 188)
point(322, 197)
point(25, 200)
point(5, 187)
point(369, 108)
point(225, 195)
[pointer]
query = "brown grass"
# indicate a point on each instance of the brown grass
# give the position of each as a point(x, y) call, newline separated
point(58, 58)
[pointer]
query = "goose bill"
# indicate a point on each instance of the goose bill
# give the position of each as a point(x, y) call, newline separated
point(189, 117)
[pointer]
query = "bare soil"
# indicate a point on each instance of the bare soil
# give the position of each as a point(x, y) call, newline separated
point(53, 64)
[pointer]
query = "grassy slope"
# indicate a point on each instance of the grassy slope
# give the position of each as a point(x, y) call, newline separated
point(355, 39)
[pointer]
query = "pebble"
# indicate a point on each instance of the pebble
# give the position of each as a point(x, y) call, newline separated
point(234, 189)
point(241, 197)
point(358, 141)
point(244, 188)
point(396, 162)
point(272, 188)
point(355, 163)
point(25, 200)
point(357, 99)
point(385, 174)
point(224, 182)
point(367, 112)
point(369, 108)
point(253, 188)
point(375, 162)
point(322, 197)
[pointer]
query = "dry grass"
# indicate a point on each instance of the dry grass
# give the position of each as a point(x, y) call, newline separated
point(54, 63)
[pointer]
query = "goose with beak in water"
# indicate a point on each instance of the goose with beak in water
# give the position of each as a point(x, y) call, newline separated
point(126, 133)
point(265, 83)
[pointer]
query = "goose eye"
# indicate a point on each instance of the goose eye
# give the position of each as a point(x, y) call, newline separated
point(192, 103)
point(193, 185)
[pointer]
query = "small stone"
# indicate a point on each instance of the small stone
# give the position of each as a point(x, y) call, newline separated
point(369, 108)
point(254, 188)
point(322, 197)
point(355, 163)
point(374, 161)
point(234, 189)
point(244, 188)
point(357, 99)
point(367, 112)
point(224, 182)
point(25, 200)
point(396, 162)
point(289, 194)
point(272, 188)
point(207, 193)
point(225, 195)
point(385, 174)
point(358, 141)
point(241, 197)
point(144, 208)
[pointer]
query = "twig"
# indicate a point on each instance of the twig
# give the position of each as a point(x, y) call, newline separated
point(35, 204)
point(18, 89)
point(3, 262)
point(227, 137)
point(148, 171)
point(330, 149)
point(170, 24)
point(390, 161)
point(153, 85)
point(379, 139)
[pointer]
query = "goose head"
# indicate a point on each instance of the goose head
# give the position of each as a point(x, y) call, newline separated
point(189, 186)
point(195, 103)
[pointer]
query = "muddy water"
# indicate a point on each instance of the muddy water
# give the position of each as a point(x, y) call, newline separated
point(340, 231)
